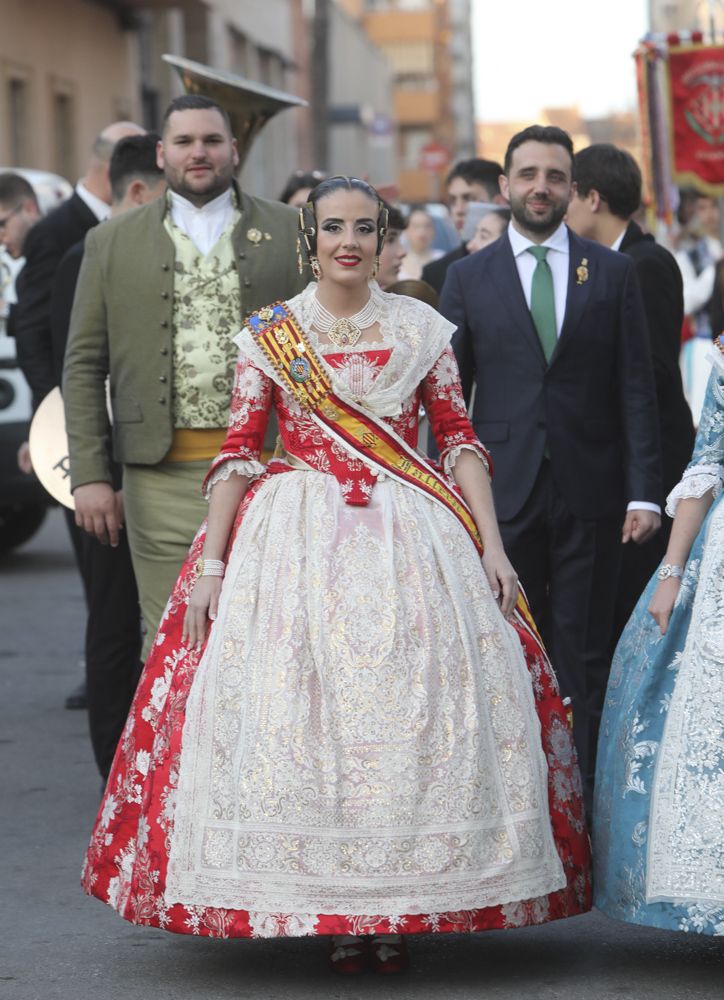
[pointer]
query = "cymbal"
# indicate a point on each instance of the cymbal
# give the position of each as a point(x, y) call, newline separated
point(48, 444)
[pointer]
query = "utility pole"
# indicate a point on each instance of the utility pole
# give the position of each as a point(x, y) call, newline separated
point(320, 84)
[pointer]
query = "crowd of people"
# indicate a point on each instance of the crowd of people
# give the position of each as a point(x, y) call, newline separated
point(342, 680)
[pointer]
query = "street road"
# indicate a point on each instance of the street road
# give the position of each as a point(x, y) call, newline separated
point(56, 943)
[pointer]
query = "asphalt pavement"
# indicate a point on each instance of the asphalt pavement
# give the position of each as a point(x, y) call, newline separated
point(57, 944)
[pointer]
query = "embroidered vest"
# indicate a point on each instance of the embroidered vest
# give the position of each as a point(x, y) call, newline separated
point(206, 316)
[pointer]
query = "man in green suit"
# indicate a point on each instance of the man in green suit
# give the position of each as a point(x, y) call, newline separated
point(161, 294)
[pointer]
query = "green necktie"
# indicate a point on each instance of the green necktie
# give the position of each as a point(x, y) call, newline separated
point(542, 302)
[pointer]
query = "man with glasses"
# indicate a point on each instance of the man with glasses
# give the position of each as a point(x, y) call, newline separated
point(19, 212)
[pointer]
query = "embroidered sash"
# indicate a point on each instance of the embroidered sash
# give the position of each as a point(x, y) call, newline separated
point(365, 436)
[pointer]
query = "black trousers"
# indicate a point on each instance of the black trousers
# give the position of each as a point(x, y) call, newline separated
point(569, 568)
point(112, 638)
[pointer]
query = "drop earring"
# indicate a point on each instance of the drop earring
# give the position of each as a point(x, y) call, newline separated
point(316, 268)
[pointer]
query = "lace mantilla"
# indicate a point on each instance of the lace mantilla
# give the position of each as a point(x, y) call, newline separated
point(414, 331)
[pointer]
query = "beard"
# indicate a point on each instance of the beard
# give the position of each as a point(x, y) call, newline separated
point(536, 223)
point(203, 192)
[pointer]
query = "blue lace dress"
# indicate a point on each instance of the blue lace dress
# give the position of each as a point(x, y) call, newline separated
point(658, 837)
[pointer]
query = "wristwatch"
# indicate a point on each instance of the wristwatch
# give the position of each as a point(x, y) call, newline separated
point(667, 570)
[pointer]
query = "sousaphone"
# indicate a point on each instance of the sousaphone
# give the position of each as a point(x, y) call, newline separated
point(250, 105)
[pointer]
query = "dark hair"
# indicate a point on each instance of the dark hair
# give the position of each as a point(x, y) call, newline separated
point(134, 158)
point(612, 172)
point(308, 212)
point(550, 134)
point(477, 171)
point(301, 179)
point(14, 189)
point(194, 102)
point(395, 219)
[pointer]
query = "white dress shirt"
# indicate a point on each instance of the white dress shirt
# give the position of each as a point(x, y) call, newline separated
point(204, 225)
point(94, 203)
point(557, 258)
point(616, 245)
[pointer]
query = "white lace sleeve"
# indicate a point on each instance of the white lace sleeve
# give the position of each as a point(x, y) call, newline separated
point(695, 482)
point(452, 455)
point(240, 466)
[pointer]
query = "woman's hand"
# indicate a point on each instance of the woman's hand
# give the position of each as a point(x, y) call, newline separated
point(662, 602)
point(501, 577)
point(203, 607)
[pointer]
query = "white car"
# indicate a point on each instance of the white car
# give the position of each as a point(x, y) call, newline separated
point(23, 501)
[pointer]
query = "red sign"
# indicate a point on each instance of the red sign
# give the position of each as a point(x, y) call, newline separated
point(434, 157)
point(696, 116)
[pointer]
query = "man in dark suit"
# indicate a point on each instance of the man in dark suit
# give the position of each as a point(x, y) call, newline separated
point(551, 329)
point(608, 193)
point(45, 245)
point(113, 629)
point(468, 181)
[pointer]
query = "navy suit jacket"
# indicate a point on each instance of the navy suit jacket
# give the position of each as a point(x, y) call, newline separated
point(593, 407)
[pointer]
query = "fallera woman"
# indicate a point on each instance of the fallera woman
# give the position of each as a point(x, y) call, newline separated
point(348, 725)
point(659, 810)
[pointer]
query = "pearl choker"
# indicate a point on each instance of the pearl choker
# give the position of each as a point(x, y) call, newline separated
point(344, 331)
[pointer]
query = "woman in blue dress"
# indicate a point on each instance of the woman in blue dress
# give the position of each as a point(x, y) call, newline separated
point(659, 809)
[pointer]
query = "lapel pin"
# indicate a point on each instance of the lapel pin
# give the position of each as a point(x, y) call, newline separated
point(254, 236)
point(582, 271)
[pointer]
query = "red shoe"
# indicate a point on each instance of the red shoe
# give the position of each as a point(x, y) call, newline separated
point(388, 954)
point(348, 959)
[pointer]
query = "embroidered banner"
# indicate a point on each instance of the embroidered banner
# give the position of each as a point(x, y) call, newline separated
point(696, 116)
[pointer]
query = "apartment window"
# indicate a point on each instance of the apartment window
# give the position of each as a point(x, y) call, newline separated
point(19, 125)
point(239, 52)
point(410, 57)
point(64, 134)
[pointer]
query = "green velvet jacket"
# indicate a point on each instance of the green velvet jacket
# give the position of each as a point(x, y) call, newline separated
point(121, 327)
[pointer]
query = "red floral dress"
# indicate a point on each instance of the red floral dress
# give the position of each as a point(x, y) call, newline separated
point(364, 745)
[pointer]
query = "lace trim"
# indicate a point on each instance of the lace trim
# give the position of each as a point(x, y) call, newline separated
point(415, 332)
point(450, 457)
point(696, 481)
point(686, 853)
point(270, 814)
point(241, 467)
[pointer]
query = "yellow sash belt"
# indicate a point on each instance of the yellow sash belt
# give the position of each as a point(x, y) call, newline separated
point(195, 445)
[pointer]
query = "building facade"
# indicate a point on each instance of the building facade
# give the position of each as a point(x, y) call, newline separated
point(619, 128)
point(667, 16)
point(428, 45)
point(55, 98)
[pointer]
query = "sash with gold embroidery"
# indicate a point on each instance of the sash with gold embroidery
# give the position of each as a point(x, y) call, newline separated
point(302, 373)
